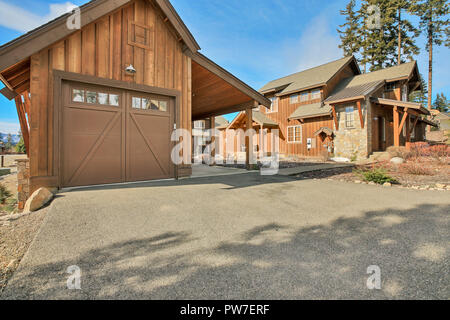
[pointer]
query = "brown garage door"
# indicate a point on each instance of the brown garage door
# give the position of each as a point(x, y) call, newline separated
point(112, 136)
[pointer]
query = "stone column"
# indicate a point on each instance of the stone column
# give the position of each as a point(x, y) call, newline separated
point(23, 182)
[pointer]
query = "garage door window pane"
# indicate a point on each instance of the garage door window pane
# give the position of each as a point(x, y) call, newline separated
point(146, 104)
point(136, 103)
point(103, 98)
point(78, 95)
point(91, 97)
point(163, 105)
point(114, 100)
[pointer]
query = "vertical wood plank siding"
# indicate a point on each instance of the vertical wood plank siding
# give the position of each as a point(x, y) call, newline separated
point(102, 49)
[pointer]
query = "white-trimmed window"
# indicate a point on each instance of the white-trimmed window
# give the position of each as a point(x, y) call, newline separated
point(304, 96)
point(273, 105)
point(294, 134)
point(293, 98)
point(315, 94)
point(350, 117)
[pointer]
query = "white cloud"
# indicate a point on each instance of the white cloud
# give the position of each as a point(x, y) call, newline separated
point(9, 127)
point(17, 18)
point(316, 46)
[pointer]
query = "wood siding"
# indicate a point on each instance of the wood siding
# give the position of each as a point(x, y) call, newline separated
point(309, 127)
point(102, 49)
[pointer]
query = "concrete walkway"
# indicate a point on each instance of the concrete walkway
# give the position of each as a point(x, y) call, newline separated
point(203, 170)
point(240, 237)
point(312, 167)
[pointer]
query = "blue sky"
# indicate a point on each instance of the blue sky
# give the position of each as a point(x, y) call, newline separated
point(256, 40)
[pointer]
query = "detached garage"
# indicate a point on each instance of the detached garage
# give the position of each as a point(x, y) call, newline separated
point(98, 104)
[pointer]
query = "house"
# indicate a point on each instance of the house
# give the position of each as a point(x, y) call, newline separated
point(201, 134)
point(99, 104)
point(334, 109)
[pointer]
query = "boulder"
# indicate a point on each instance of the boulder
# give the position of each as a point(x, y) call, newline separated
point(387, 184)
point(397, 160)
point(38, 199)
point(440, 186)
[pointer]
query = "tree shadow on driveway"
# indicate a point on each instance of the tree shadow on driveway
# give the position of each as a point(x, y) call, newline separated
point(270, 261)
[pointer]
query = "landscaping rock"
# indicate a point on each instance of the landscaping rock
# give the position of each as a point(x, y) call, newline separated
point(358, 181)
point(397, 160)
point(372, 183)
point(38, 199)
point(440, 186)
point(387, 184)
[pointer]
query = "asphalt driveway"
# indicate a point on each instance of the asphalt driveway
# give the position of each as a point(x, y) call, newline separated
point(240, 237)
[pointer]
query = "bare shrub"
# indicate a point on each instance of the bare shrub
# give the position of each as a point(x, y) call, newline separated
point(416, 168)
point(400, 152)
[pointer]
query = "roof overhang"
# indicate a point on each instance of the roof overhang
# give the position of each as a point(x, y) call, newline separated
point(346, 100)
point(311, 116)
point(431, 123)
point(216, 92)
point(403, 104)
point(316, 86)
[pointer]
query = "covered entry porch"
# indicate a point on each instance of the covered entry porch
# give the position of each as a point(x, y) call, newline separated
point(397, 123)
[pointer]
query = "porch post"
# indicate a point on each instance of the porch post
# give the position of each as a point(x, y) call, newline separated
point(248, 139)
point(213, 141)
point(336, 122)
point(408, 134)
point(396, 127)
point(261, 142)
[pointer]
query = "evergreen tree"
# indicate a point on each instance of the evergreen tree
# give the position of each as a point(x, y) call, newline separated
point(405, 31)
point(420, 96)
point(349, 31)
point(9, 142)
point(434, 23)
point(441, 103)
point(20, 147)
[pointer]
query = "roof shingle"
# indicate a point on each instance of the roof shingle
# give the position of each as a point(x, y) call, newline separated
point(308, 78)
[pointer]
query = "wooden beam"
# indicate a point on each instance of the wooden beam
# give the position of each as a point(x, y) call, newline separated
point(414, 125)
point(23, 123)
point(336, 122)
point(405, 116)
point(361, 119)
point(408, 133)
point(27, 102)
point(212, 126)
point(6, 83)
point(396, 126)
point(248, 140)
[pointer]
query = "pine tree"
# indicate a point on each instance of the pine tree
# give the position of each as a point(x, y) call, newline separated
point(9, 142)
point(420, 96)
point(349, 31)
point(433, 22)
point(20, 147)
point(405, 31)
point(441, 103)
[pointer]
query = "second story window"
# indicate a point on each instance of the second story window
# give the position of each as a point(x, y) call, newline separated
point(273, 105)
point(390, 86)
point(349, 117)
point(304, 96)
point(293, 99)
point(315, 94)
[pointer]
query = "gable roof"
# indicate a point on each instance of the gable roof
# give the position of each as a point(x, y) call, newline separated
point(400, 72)
point(258, 117)
point(311, 111)
point(362, 85)
point(307, 79)
point(55, 30)
point(221, 122)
